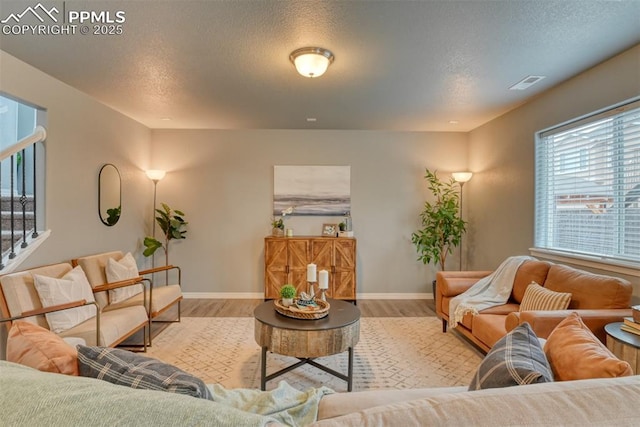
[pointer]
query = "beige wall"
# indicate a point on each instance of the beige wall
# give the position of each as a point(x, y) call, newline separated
point(83, 135)
point(223, 180)
point(501, 154)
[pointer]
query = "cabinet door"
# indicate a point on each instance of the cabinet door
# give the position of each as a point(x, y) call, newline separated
point(276, 266)
point(322, 253)
point(344, 273)
point(298, 256)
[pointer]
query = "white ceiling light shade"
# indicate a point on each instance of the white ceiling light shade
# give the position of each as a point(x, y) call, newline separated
point(462, 176)
point(311, 61)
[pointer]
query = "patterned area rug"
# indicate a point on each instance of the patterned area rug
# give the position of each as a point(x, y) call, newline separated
point(409, 352)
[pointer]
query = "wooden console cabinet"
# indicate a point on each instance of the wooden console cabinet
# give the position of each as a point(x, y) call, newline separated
point(286, 260)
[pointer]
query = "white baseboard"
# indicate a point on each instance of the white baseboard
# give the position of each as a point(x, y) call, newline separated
point(260, 295)
point(223, 295)
point(394, 296)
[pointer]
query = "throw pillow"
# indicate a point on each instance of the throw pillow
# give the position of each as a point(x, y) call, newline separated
point(116, 271)
point(538, 298)
point(516, 359)
point(39, 348)
point(133, 370)
point(575, 353)
point(73, 286)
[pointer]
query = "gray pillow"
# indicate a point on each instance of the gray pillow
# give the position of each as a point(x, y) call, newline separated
point(516, 359)
point(133, 370)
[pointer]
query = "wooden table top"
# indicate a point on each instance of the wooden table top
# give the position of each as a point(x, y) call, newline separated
point(341, 314)
point(613, 329)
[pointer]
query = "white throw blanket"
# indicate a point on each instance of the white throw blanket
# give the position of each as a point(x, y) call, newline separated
point(487, 292)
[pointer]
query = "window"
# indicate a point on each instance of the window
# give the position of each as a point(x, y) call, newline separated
point(588, 186)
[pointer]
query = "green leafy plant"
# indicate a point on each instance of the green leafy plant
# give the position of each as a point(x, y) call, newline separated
point(173, 226)
point(442, 226)
point(288, 291)
point(342, 226)
point(113, 215)
point(279, 222)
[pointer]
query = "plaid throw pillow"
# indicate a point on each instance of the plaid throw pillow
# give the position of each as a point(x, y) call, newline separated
point(516, 359)
point(130, 369)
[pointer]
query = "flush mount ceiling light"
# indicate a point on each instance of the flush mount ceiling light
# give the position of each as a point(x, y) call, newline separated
point(311, 61)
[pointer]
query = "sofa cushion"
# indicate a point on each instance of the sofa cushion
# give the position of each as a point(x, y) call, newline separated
point(529, 271)
point(122, 269)
point(538, 298)
point(34, 346)
point(503, 309)
point(589, 290)
point(489, 328)
point(72, 287)
point(601, 402)
point(129, 369)
point(575, 353)
point(516, 359)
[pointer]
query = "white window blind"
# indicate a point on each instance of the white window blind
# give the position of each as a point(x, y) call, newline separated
point(587, 195)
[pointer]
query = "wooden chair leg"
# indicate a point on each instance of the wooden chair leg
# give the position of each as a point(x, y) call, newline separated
point(444, 325)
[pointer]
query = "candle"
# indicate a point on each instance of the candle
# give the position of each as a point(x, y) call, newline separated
point(311, 272)
point(323, 282)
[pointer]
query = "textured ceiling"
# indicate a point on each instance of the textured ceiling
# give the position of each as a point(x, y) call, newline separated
point(399, 65)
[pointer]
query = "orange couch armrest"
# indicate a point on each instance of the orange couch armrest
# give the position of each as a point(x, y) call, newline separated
point(543, 322)
point(452, 283)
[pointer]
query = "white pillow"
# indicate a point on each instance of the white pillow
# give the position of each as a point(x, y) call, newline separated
point(117, 271)
point(72, 287)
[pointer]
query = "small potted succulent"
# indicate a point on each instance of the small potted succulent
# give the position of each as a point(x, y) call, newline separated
point(287, 293)
point(277, 224)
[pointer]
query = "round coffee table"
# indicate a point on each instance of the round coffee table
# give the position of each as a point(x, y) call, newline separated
point(305, 339)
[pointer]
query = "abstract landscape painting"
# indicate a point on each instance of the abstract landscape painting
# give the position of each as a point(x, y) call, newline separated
point(312, 190)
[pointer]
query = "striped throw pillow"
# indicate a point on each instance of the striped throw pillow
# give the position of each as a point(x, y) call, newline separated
point(538, 298)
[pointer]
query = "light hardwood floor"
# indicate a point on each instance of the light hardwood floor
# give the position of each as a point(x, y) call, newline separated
point(245, 307)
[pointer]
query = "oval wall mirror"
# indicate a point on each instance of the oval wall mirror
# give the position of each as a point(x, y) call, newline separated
point(109, 195)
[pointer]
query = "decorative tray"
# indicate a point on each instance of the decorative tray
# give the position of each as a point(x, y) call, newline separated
point(309, 313)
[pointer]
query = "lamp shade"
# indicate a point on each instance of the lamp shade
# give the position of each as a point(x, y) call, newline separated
point(462, 176)
point(311, 61)
point(156, 174)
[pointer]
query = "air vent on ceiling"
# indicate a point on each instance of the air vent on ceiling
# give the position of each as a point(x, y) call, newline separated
point(526, 82)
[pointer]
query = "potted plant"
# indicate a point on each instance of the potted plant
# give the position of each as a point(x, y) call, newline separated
point(442, 226)
point(278, 224)
point(172, 224)
point(287, 293)
point(278, 227)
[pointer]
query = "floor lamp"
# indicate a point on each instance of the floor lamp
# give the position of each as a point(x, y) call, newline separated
point(155, 175)
point(461, 178)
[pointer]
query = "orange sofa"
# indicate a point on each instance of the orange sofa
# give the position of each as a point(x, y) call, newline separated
point(598, 299)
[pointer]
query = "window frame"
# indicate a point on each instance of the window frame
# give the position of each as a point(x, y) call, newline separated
point(599, 261)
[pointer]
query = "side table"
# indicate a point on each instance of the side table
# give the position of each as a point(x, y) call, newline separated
point(625, 345)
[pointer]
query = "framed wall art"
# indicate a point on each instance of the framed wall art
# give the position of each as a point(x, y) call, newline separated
point(312, 190)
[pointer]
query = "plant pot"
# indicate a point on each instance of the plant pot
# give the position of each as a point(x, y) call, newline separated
point(287, 302)
point(277, 232)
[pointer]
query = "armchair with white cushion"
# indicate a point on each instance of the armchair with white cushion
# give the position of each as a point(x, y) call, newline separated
point(59, 297)
point(110, 267)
